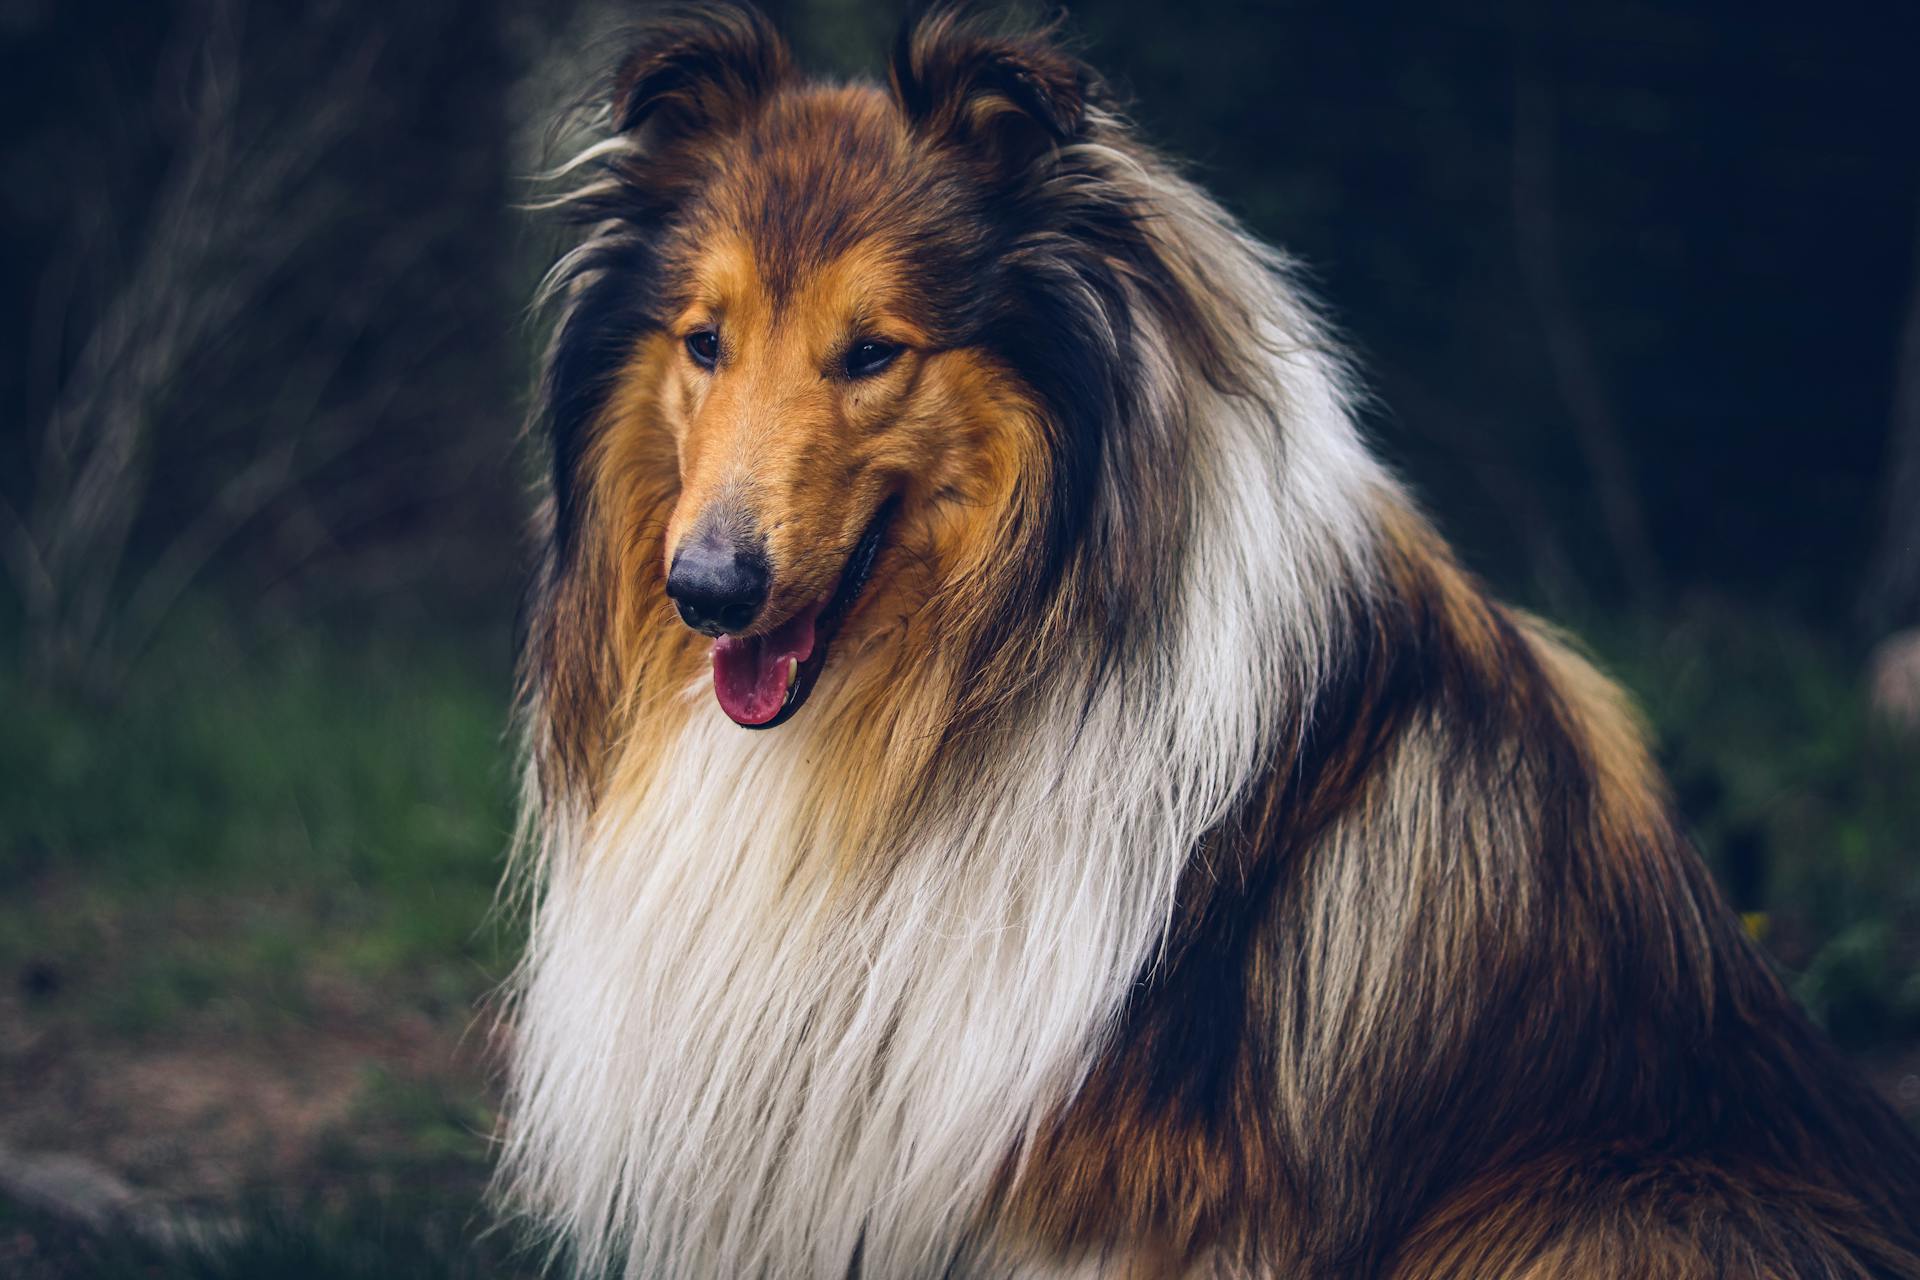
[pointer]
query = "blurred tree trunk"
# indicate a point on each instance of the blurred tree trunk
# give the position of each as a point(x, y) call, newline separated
point(1893, 585)
point(1576, 369)
point(1892, 601)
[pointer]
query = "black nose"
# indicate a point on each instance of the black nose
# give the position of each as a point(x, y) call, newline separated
point(718, 584)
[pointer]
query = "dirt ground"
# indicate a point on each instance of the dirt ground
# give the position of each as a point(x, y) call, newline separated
point(204, 1119)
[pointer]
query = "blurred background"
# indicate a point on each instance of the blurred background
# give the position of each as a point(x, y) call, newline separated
point(1637, 286)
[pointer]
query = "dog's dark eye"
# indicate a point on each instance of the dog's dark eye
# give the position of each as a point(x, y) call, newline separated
point(704, 347)
point(869, 356)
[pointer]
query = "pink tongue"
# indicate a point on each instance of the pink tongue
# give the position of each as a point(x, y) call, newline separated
point(750, 672)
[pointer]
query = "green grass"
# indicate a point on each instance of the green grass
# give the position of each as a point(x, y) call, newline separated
point(1808, 812)
point(278, 846)
point(252, 809)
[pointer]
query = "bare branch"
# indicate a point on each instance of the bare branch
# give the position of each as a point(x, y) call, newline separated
point(235, 207)
point(24, 563)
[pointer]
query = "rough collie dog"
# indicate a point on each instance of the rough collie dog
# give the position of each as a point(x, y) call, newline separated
point(1017, 790)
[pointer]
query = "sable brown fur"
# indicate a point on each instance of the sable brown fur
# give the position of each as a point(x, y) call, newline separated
point(1446, 993)
point(1584, 1068)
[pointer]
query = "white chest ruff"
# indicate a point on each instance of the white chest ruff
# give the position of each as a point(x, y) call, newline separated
point(733, 1067)
point(728, 1064)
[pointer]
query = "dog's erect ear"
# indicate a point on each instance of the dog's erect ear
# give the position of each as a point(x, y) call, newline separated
point(1011, 97)
point(698, 69)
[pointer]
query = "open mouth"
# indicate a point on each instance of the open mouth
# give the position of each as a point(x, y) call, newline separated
point(762, 680)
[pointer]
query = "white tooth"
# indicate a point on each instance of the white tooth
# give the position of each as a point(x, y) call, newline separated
point(793, 671)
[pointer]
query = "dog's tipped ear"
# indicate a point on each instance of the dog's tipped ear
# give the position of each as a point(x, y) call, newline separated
point(697, 69)
point(1009, 96)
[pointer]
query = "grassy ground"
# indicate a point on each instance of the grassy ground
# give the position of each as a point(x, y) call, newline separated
point(1808, 813)
point(246, 933)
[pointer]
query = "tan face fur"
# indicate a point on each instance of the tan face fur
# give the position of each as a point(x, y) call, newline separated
point(803, 237)
point(777, 441)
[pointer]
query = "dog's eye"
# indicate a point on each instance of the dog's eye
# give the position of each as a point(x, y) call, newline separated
point(869, 356)
point(704, 346)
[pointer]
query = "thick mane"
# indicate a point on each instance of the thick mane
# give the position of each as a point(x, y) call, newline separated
point(1202, 876)
point(1456, 948)
point(1001, 929)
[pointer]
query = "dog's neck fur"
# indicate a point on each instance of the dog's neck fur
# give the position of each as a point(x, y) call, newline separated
point(1417, 840)
point(745, 1049)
